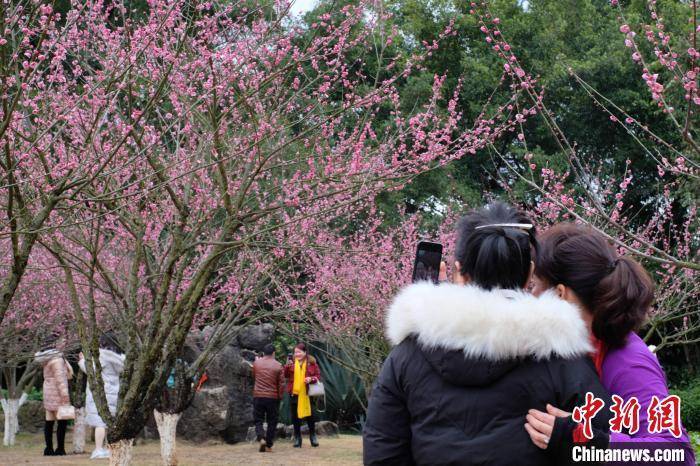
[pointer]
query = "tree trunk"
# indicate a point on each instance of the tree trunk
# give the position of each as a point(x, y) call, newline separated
point(167, 428)
point(11, 407)
point(121, 452)
point(79, 428)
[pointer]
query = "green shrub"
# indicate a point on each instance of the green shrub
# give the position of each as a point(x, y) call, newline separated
point(690, 405)
point(33, 394)
point(345, 393)
point(285, 417)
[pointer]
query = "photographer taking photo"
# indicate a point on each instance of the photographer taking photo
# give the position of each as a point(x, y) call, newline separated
point(267, 393)
point(472, 357)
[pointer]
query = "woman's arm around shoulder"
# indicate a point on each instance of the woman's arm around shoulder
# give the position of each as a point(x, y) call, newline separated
point(575, 383)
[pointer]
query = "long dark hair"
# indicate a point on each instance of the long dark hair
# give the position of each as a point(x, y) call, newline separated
point(495, 256)
point(615, 289)
point(109, 341)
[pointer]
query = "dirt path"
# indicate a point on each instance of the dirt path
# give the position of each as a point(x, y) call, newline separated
point(344, 450)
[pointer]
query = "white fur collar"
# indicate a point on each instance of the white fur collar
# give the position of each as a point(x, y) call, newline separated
point(47, 355)
point(497, 324)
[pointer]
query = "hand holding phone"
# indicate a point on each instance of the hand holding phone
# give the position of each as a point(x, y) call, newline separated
point(457, 278)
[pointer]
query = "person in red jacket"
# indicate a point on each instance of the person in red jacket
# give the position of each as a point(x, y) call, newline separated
point(300, 371)
point(267, 392)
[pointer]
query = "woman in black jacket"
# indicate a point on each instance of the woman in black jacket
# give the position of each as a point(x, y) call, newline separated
point(472, 358)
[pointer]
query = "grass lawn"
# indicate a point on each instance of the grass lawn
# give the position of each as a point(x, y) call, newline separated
point(343, 450)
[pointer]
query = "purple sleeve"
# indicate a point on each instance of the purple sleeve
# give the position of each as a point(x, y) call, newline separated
point(642, 382)
point(642, 378)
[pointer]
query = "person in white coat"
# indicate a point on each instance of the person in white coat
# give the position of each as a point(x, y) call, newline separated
point(112, 362)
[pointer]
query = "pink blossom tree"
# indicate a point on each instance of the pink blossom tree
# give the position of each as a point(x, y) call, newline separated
point(192, 146)
point(343, 284)
point(587, 190)
point(37, 312)
point(50, 154)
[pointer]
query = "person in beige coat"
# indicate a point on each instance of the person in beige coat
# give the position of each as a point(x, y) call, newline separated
point(57, 372)
point(112, 362)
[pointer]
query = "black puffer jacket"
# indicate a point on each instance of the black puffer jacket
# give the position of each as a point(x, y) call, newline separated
point(468, 366)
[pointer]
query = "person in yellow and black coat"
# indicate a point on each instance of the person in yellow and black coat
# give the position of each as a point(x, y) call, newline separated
point(300, 371)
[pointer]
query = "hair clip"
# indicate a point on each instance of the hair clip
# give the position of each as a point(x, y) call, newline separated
point(522, 226)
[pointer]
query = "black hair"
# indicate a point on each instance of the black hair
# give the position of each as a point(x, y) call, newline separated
point(109, 341)
point(269, 349)
point(615, 289)
point(496, 256)
point(49, 342)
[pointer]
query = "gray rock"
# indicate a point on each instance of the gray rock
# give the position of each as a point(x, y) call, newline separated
point(223, 408)
point(249, 355)
point(31, 417)
point(150, 430)
point(323, 429)
point(240, 412)
point(226, 368)
point(281, 432)
point(206, 416)
point(256, 337)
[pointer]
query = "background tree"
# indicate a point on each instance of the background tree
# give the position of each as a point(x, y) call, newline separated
point(579, 35)
point(37, 312)
point(50, 153)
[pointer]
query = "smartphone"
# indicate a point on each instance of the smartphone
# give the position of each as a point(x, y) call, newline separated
point(426, 267)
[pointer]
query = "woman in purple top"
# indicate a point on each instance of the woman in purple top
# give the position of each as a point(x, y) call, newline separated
point(614, 294)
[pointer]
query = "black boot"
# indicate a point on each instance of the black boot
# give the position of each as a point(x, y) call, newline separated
point(312, 436)
point(312, 433)
point(48, 438)
point(297, 438)
point(61, 438)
